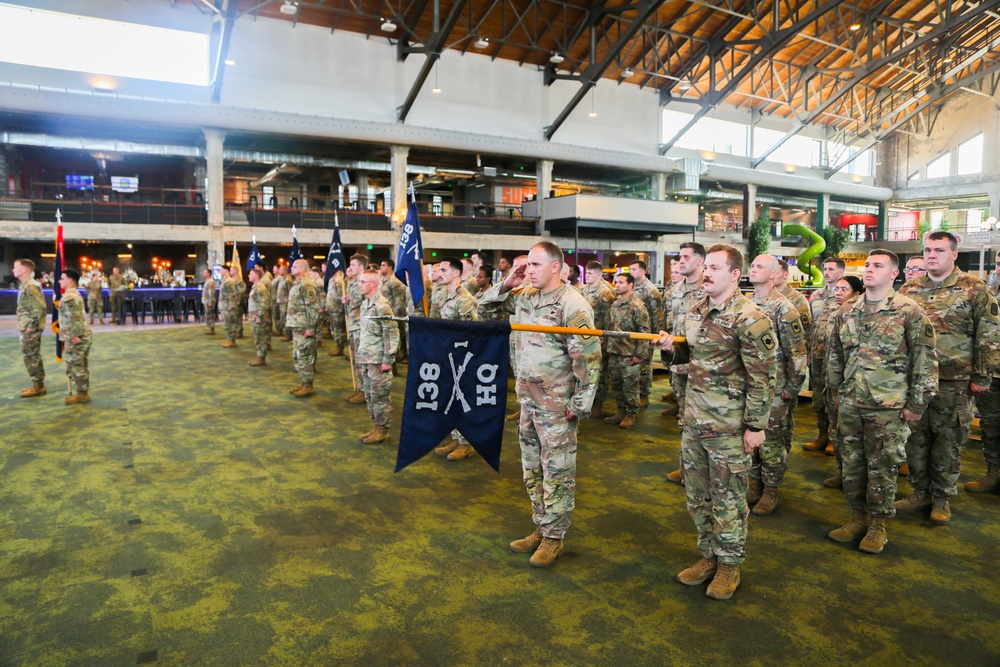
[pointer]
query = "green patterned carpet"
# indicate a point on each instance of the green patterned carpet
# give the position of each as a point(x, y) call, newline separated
point(196, 514)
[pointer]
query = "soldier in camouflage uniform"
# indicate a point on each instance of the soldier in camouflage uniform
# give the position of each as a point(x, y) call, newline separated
point(731, 378)
point(600, 295)
point(302, 314)
point(30, 324)
point(966, 319)
point(394, 291)
point(75, 336)
point(241, 295)
point(322, 321)
point(228, 297)
point(268, 317)
point(116, 289)
point(989, 423)
point(823, 306)
point(437, 291)
point(335, 309)
point(259, 314)
point(352, 301)
point(677, 303)
point(95, 298)
point(770, 459)
point(276, 317)
point(882, 368)
point(378, 340)
point(650, 296)
point(209, 299)
point(625, 355)
point(281, 296)
point(457, 304)
point(556, 380)
point(805, 317)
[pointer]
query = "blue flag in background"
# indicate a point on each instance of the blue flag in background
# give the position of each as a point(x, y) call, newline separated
point(254, 259)
point(334, 258)
point(410, 254)
point(296, 252)
point(456, 378)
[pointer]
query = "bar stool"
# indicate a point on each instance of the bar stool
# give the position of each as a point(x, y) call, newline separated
point(130, 306)
point(192, 305)
point(147, 305)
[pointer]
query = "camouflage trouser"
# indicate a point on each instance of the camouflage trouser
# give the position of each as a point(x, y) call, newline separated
point(375, 384)
point(679, 383)
point(625, 382)
point(323, 324)
point(260, 335)
point(117, 306)
point(872, 444)
point(338, 329)
point(265, 321)
point(458, 437)
point(402, 351)
point(233, 323)
point(715, 480)
point(95, 306)
point(279, 322)
point(352, 345)
point(31, 350)
point(211, 314)
point(304, 355)
point(646, 378)
point(934, 448)
point(989, 422)
point(602, 382)
point(817, 374)
point(276, 318)
point(75, 357)
point(770, 460)
point(548, 462)
point(832, 412)
point(790, 421)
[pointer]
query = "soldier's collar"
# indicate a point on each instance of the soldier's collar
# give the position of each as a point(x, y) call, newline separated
point(948, 281)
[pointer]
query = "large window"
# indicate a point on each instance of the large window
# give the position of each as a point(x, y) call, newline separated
point(940, 167)
point(861, 164)
point(798, 150)
point(970, 156)
point(708, 134)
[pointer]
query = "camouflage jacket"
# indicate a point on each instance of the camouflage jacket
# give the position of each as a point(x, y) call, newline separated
point(822, 306)
point(790, 356)
point(282, 290)
point(650, 296)
point(116, 283)
point(884, 358)
point(72, 316)
point(259, 303)
point(94, 289)
point(275, 284)
point(677, 303)
point(966, 320)
point(336, 288)
point(320, 294)
point(208, 295)
point(600, 299)
point(394, 291)
point(555, 372)
point(30, 306)
point(460, 306)
point(241, 291)
point(437, 295)
point(470, 284)
point(353, 307)
point(303, 305)
point(731, 374)
point(228, 294)
point(628, 315)
point(379, 339)
point(801, 304)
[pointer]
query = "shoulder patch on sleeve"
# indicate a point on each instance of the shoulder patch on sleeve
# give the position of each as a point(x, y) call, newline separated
point(761, 330)
point(795, 325)
point(927, 335)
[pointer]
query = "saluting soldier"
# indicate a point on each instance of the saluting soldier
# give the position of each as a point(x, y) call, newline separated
point(75, 336)
point(30, 324)
point(302, 315)
point(625, 355)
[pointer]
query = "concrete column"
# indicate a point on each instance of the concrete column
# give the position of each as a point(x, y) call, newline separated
point(543, 172)
point(883, 218)
point(822, 212)
point(399, 183)
point(214, 196)
point(994, 203)
point(659, 186)
point(749, 207)
point(363, 190)
point(5, 172)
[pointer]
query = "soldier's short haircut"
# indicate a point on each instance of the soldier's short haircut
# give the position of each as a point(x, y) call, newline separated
point(836, 260)
point(260, 274)
point(783, 264)
point(734, 258)
point(361, 259)
point(857, 286)
point(893, 258)
point(26, 263)
point(629, 278)
point(482, 258)
point(551, 250)
point(638, 262)
point(698, 248)
point(466, 260)
point(941, 236)
point(488, 269)
point(595, 266)
point(72, 274)
point(391, 262)
point(371, 271)
point(454, 263)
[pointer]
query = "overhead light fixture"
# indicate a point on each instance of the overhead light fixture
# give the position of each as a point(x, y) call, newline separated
point(388, 25)
point(436, 89)
point(593, 109)
point(854, 27)
point(948, 58)
point(230, 61)
point(556, 58)
point(627, 72)
point(790, 168)
point(685, 84)
point(290, 7)
point(481, 43)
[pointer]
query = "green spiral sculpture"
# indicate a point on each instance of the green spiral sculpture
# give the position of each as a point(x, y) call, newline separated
point(818, 246)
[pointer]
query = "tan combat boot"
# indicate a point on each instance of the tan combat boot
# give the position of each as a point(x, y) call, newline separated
point(989, 482)
point(336, 352)
point(446, 449)
point(257, 362)
point(380, 434)
point(754, 491)
point(229, 343)
point(643, 401)
point(725, 583)
point(547, 552)
point(514, 416)
point(36, 389)
point(676, 477)
point(834, 482)
point(210, 332)
point(915, 501)
point(79, 397)
point(852, 530)
point(819, 444)
point(768, 501)
point(615, 419)
point(295, 388)
point(305, 390)
point(627, 422)
point(367, 434)
point(699, 573)
point(875, 540)
point(940, 512)
point(828, 450)
point(904, 470)
point(669, 397)
point(463, 451)
point(671, 410)
point(527, 545)
point(597, 410)
point(357, 398)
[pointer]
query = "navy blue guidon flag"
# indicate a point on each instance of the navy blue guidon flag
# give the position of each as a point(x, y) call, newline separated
point(456, 379)
point(296, 252)
point(254, 259)
point(410, 255)
point(56, 287)
point(334, 258)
